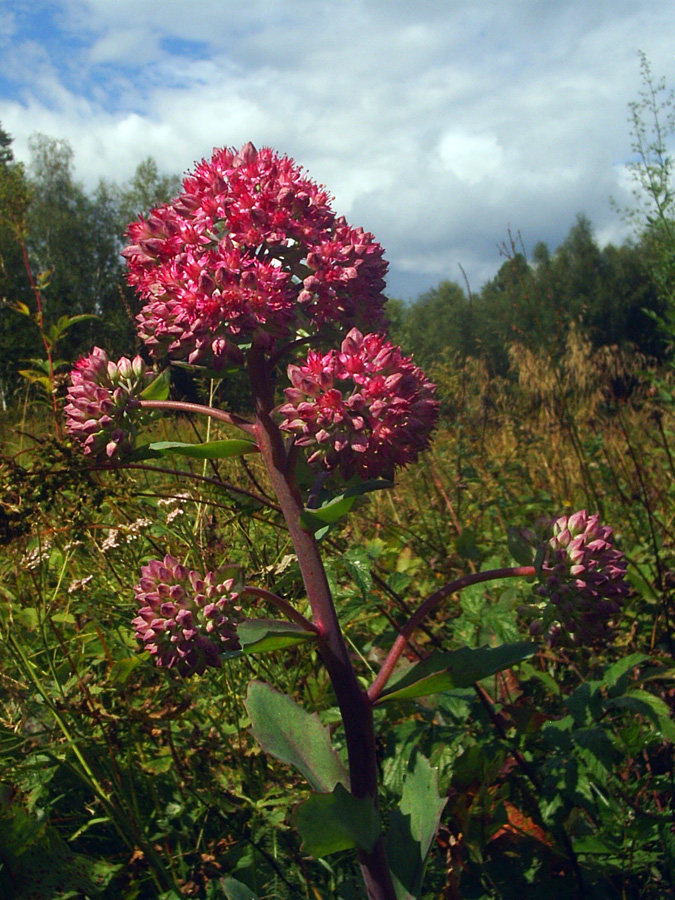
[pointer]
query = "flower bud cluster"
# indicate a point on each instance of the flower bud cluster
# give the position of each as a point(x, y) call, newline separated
point(103, 406)
point(365, 409)
point(583, 578)
point(186, 620)
point(250, 250)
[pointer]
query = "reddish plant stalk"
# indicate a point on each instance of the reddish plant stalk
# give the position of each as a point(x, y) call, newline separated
point(355, 707)
point(218, 414)
point(423, 611)
point(289, 611)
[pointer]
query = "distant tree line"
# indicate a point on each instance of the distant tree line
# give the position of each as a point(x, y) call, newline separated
point(608, 292)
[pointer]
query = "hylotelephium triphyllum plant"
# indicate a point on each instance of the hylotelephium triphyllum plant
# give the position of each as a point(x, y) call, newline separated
point(250, 267)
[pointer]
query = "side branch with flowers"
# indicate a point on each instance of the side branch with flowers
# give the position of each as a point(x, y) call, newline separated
point(250, 268)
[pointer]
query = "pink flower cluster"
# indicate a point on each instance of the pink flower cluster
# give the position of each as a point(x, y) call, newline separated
point(365, 409)
point(583, 577)
point(103, 407)
point(186, 620)
point(250, 250)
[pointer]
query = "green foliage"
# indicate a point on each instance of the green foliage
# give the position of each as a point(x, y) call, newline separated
point(413, 827)
point(557, 769)
point(335, 821)
point(294, 736)
point(455, 669)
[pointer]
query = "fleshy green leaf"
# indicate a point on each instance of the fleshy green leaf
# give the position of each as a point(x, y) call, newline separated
point(332, 510)
point(455, 669)
point(294, 736)
point(235, 890)
point(412, 828)
point(337, 821)
point(158, 389)
point(261, 635)
point(209, 450)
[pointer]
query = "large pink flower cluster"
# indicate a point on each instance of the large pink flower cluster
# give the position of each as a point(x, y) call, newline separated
point(103, 406)
point(250, 250)
point(186, 619)
point(365, 409)
point(583, 577)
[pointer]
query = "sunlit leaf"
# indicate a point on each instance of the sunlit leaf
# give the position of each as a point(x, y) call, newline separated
point(454, 669)
point(294, 736)
point(208, 450)
point(158, 389)
point(262, 635)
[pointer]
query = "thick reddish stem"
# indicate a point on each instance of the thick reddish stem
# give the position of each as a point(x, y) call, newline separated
point(355, 708)
point(423, 611)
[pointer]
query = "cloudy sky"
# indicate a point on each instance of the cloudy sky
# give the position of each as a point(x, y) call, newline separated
point(436, 124)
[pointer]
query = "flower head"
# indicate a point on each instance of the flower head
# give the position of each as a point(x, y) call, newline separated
point(583, 578)
point(186, 620)
point(250, 250)
point(103, 406)
point(365, 410)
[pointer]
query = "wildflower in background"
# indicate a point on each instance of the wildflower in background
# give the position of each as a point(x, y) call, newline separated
point(103, 406)
point(79, 584)
point(250, 250)
point(33, 558)
point(186, 620)
point(111, 541)
point(366, 410)
point(583, 578)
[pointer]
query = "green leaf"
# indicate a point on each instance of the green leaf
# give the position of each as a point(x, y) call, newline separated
point(262, 635)
point(209, 450)
point(158, 389)
point(337, 821)
point(123, 668)
point(519, 548)
point(358, 564)
point(57, 330)
point(652, 707)
point(294, 736)
point(412, 829)
point(21, 307)
point(615, 672)
point(235, 890)
point(455, 669)
point(336, 508)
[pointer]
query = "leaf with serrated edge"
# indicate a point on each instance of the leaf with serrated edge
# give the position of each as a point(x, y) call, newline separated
point(413, 827)
point(294, 736)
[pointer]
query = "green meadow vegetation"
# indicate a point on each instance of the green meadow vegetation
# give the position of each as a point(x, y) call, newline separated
point(556, 778)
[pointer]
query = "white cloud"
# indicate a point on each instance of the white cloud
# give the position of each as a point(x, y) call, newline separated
point(436, 125)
